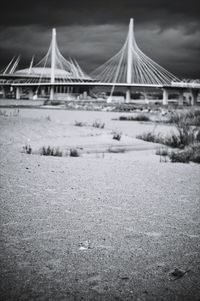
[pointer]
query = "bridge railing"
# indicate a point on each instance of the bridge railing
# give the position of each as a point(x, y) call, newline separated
point(186, 85)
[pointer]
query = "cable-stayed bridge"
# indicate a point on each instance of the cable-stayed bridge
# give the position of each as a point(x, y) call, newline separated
point(129, 68)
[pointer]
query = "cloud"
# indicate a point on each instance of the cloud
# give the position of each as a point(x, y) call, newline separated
point(89, 12)
point(93, 31)
point(93, 45)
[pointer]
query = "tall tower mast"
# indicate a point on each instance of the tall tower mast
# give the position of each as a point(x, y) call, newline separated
point(130, 52)
point(53, 62)
point(129, 60)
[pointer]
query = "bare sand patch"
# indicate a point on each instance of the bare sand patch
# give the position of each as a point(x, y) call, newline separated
point(140, 216)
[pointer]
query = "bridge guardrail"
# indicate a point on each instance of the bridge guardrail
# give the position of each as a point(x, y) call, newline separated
point(186, 85)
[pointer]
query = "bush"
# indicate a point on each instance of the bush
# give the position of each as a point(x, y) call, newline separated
point(184, 122)
point(98, 124)
point(74, 152)
point(57, 152)
point(116, 150)
point(78, 123)
point(150, 137)
point(27, 149)
point(122, 118)
point(172, 141)
point(162, 152)
point(190, 117)
point(190, 153)
point(51, 151)
point(46, 151)
point(180, 157)
point(194, 117)
point(185, 137)
point(195, 153)
point(140, 117)
point(117, 136)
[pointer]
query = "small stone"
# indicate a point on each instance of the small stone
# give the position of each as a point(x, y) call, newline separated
point(177, 273)
point(124, 278)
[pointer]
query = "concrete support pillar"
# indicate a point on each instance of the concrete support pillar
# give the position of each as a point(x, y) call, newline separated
point(43, 91)
point(145, 95)
point(51, 93)
point(18, 92)
point(30, 94)
point(3, 92)
point(85, 94)
point(181, 98)
point(194, 97)
point(128, 95)
point(165, 97)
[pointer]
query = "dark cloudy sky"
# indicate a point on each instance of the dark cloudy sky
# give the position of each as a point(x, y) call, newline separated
point(92, 31)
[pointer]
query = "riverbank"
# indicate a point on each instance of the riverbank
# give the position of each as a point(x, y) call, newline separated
point(94, 105)
point(95, 227)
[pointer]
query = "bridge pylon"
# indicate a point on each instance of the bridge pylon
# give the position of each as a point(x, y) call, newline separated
point(131, 66)
point(53, 62)
point(129, 60)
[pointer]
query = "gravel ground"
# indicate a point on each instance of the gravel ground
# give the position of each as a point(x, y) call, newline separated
point(96, 227)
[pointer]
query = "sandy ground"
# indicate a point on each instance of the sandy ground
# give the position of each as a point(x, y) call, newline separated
point(97, 227)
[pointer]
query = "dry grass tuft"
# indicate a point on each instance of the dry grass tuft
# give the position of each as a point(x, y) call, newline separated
point(139, 117)
point(117, 136)
point(51, 151)
point(98, 124)
point(73, 152)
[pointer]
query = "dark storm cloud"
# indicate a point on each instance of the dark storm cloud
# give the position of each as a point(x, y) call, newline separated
point(93, 31)
point(64, 12)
